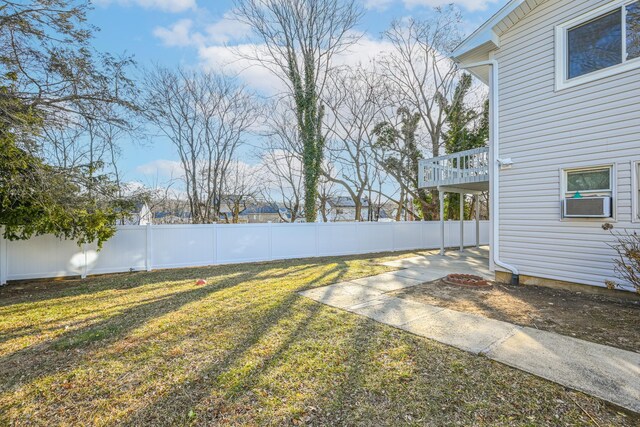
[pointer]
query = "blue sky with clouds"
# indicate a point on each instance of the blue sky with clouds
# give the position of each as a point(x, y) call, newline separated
point(193, 33)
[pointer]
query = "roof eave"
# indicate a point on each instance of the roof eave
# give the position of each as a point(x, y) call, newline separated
point(478, 46)
point(487, 37)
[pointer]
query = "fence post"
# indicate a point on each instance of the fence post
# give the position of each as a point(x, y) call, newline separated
point(461, 222)
point(270, 224)
point(316, 225)
point(215, 243)
point(393, 236)
point(477, 221)
point(83, 275)
point(149, 251)
point(3, 258)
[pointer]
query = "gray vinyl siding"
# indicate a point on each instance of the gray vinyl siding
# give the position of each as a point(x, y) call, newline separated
point(543, 132)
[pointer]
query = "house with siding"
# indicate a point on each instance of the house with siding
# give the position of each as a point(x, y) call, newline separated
point(564, 150)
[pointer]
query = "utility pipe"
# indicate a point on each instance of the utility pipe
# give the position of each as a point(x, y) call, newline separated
point(477, 197)
point(461, 222)
point(494, 150)
point(441, 199)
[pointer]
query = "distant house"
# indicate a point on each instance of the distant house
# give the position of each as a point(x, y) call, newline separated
point(257, 212)
point(140, 216)
point(343, 208)
point(564, 152)
point(172, 217)
point(264, 213)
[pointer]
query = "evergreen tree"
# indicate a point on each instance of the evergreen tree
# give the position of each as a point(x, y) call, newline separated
point(51, 78)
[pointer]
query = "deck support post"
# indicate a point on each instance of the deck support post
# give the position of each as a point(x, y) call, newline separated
point(461, 222)
point(477, 197)
point(441, 197)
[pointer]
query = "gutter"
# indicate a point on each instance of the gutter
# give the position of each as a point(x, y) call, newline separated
point(494, 150)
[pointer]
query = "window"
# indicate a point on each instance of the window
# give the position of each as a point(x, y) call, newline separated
point(595, 45)
point(599, 44)
point(588, 182)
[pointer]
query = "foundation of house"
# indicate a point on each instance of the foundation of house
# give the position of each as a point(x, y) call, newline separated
point(504, 277)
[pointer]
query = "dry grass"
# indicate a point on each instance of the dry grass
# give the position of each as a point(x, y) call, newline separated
point(608, 319)
point(245, 349)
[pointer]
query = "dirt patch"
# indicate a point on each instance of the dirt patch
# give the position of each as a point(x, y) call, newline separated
point(603, 319)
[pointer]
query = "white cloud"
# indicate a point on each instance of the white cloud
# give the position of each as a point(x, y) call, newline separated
point(178, 34)
point(164, 5)
point(379, 5)
point(233, 60)
point(182, 33)
point(214, 54)
point(471, 5)
point(227, 29)
point(364, 51)
point(132, 187)
point(161, 168)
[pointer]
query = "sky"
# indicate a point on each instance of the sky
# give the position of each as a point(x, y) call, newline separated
point(198, 34)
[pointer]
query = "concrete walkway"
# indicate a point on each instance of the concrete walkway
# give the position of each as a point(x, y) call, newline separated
point(606, 372)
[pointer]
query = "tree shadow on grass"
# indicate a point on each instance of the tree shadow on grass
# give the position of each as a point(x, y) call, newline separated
point(67, 322)
point(47, 289)
point(239, 274)
point(44, 290)
point(46, 358)
point(173, 406)
point(340, 402)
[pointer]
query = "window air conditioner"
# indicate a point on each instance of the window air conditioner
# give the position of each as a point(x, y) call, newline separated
point(587, 207)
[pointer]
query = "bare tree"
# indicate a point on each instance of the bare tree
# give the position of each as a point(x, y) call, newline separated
point(282, 163)
point(241, 187)
point(326, 191)
point(424, 79)
point(355, 100)
point(207, 117)
point(298, 40)
point(420, 70)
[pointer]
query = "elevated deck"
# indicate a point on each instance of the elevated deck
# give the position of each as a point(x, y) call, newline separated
point(463, 171)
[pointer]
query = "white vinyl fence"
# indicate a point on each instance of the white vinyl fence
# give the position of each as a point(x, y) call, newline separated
point(135, 248)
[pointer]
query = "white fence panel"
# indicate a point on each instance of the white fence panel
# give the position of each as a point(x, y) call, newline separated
point(407, 235)
point(375, 236)
point(431, 234)
point(126, 251)
point(293, 242)
point(243, 243)
point(43, 256)
point(337, 238)
point(181, 245)
point(171, 246)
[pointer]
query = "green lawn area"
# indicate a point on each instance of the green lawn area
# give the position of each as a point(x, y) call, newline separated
point(245, 349)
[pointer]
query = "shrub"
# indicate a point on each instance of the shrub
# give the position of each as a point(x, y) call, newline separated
point(627, 264)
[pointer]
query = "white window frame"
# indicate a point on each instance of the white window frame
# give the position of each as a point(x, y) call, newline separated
point(561, 49)
point(635, 191)
point(612, 192)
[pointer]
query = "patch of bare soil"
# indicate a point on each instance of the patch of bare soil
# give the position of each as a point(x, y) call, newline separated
point(604, 319)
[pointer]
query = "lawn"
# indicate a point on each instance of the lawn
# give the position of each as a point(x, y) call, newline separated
point(245, 349)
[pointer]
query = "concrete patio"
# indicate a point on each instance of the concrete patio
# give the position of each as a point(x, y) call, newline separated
point(606, 372)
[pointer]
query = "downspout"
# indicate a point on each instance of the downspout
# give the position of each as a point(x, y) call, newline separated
point(494, 150)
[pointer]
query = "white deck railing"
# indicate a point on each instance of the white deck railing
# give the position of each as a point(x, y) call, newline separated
point(452, 169)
